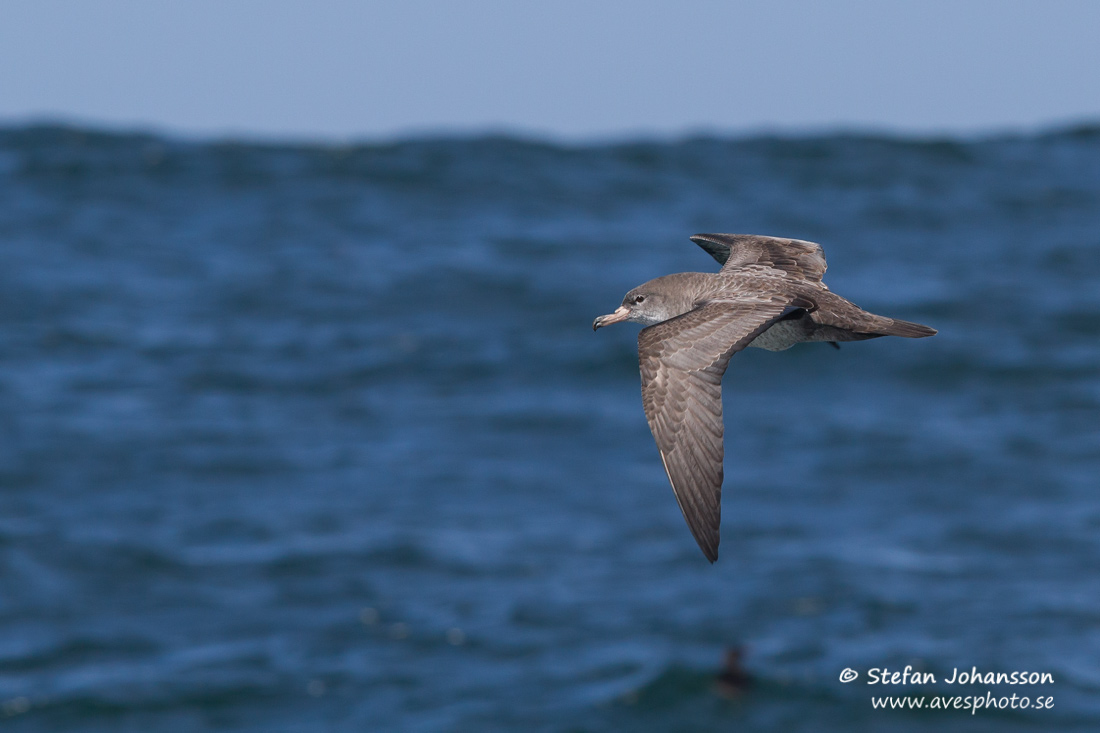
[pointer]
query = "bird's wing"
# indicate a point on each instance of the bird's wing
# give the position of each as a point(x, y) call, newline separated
point(682, 362)
point(794, 256)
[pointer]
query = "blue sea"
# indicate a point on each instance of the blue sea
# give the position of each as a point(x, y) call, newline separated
point(301, 437)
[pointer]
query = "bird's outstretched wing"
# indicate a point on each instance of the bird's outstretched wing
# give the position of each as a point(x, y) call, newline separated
point(682, 362)
point(796, 257)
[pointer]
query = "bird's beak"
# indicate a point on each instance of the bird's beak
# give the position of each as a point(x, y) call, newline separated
point(621, 314)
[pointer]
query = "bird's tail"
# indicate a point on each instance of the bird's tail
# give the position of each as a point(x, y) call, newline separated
point(855, 324)
point(906, 329)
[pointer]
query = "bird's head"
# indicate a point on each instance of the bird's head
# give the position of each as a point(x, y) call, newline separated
point(653, 302)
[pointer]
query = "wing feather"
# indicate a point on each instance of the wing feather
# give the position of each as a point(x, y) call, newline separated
point(682, 362)
point(794, 256)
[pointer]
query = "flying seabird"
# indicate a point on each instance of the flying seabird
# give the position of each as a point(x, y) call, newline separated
point(768, 294)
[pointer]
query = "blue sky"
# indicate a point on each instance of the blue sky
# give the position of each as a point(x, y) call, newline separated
point(567, 69)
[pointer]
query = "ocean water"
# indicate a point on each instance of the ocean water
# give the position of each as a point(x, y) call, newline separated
point(304, 438)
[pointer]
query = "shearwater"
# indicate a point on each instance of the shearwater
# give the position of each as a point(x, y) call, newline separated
point(768, 294)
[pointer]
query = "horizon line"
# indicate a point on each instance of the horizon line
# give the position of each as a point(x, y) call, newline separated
point(231, 135)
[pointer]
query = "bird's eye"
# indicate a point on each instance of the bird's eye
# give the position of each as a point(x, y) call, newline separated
point(639, 298)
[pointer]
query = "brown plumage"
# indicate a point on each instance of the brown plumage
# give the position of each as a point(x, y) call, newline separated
point(768, 295)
